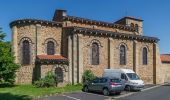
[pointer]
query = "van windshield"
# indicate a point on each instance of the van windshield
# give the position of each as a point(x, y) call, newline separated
point(133, 76)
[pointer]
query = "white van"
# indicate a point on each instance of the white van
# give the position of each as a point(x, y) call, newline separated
point(128, 76)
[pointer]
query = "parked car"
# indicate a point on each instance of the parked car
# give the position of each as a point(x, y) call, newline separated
point(129, 77)
point(105, 85)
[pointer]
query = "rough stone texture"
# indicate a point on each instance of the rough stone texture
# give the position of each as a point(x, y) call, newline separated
point(77, 48)
point(25, 74)
point(103, 51)
point(140, 25)
point(47, 68)
point(144, 71)
point(165, 70)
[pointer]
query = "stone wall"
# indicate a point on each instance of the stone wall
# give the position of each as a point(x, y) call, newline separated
point(103, 51)
point(30, 32)
point(24, 75)
point(145, 71)
point(165, 69)
point(109, 56)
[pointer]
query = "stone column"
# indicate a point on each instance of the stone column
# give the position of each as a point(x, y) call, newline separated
point(74, 58)
point(110, 53)
point(79, 57)
point(14, 43)
point(135, 56)
point(37, 37)
point(154, 63)
point(70, 58)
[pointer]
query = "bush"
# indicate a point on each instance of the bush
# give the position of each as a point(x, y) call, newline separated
point(49, 80)
point(88, 75)
point(8, 67)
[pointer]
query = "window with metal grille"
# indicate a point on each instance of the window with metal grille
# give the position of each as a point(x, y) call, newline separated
point(95, 54)
point(122, 55)
point(50, 48)
point(26, 52)
point(144, 56)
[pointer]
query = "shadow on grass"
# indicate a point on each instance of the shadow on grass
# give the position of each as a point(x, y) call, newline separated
point(8, 96)
point(6, 85)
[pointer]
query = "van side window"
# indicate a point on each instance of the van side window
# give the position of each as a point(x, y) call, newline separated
point(123, 76)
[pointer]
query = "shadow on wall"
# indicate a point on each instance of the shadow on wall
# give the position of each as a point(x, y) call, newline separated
point(9, 96)
point(36, 72)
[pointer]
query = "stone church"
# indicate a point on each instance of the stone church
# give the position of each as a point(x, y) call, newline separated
point(69, 45)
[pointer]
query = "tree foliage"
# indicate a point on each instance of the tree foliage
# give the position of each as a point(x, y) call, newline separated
point(88, 75)
point(2, 35)
point(7, 66)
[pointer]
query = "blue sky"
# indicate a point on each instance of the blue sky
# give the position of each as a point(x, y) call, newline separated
point(155, 13)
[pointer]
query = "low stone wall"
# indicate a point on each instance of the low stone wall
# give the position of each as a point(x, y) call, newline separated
point(165, 69)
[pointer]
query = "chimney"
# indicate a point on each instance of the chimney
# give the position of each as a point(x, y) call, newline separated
point(58, 16)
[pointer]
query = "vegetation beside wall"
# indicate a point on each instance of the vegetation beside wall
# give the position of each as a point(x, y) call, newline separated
point(7, 66)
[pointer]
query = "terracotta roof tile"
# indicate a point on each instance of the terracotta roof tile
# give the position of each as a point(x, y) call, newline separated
point(51, 57)
point(165, 58)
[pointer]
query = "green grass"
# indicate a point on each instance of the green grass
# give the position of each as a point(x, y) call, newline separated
point(26, 92)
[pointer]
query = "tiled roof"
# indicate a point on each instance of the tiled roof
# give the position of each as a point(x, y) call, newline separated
point(35, 21)
point(165, 58)
point(51, 57)
point(100, 23)
point(89, 31)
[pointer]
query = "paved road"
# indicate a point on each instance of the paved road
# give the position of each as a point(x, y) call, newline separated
point(159, 93)
point(76, 96)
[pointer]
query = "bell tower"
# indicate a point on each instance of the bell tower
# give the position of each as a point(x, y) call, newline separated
point(132, 22)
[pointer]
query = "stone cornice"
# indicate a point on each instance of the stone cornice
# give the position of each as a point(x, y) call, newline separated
point(35, 21)
point(89, 31)
point(99, 23)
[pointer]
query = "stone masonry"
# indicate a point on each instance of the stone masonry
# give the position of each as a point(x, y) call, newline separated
point(73, 38)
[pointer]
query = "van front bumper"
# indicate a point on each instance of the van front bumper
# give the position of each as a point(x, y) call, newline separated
point(137, 87)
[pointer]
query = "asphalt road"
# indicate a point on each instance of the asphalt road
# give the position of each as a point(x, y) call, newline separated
point(159, 93)
point(76, 96)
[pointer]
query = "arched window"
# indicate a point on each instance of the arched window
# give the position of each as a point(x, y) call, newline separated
point(50, 48)
point(145, 56)
point(95, 53)
point(132, 25)
point(59, 72)
point(136, 26)
point(122, 55)
point(26, 52)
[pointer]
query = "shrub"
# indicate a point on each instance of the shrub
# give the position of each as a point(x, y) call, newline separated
point(8, 67)
point(88, 75)
point(49, 80)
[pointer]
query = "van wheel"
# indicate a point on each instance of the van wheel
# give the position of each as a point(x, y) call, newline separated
point(106, 92)
point(128, 88)
point(86, 89)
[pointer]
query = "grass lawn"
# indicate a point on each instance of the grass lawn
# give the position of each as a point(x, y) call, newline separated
point(27, 92)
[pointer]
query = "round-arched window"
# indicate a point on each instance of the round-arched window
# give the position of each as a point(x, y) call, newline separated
point(50, 48)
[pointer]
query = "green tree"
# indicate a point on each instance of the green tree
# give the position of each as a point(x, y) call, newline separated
point(88, 75)
point(7, 66)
